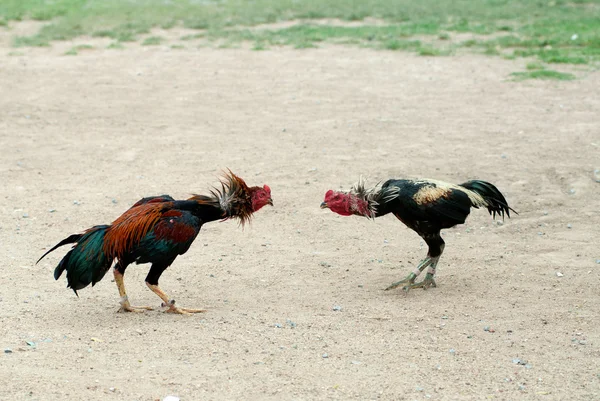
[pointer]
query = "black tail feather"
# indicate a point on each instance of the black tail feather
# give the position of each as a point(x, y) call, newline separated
point(497, 204)
point(69, 240)
point(86, 263)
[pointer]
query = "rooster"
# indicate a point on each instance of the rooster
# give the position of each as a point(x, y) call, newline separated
point(425, 206)
point(154, 230)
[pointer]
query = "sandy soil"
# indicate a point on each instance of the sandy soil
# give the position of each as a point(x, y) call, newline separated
point(84, 137)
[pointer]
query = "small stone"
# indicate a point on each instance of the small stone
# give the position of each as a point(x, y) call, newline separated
point(337, 308)
point(278, 325)
point(569, 226)
point(486, 328)
point(582, 342)
point(444, 317)
point(574, 36)
point(30, 343)
point(598, 261)
point(499, 222)
point(76, 202)
point(113, 200)
point(545, 213)
point(325, 355)
point(559, 274)
point(452, 351)
point(503, 156)
point(528, 366)
point(518, 361)
point(355, 362)
point(7, 351)
point(325, 264)
point(112, 389)
point(51, 210)
point(291, 324)
point(572, 191)
point(540, 233)
point(25, 215)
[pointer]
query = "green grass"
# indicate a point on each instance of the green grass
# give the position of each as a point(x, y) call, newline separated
point(75, 50)
point(152, 41)
point(115, 45)
point(557, 31)
point(542, 74)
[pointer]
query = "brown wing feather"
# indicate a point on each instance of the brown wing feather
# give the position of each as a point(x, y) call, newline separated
point(133, 225)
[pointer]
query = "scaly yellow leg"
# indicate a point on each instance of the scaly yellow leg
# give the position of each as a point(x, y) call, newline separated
point(171, 303)
point(125, 305)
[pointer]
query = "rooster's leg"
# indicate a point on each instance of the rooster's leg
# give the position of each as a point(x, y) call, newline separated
point(125, 305)
point(436, 247)
point(171, 302)
point(152, 283)
point(410, 279)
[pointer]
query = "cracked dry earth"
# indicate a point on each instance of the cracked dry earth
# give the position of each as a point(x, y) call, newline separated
point(296, 307)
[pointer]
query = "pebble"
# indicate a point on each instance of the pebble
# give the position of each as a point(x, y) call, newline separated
point(569, 226)
point(25, 215)
point(112, 389)
point(545, 213)
point(325, 355)
point(355, 362)
point(76, 202)
point(597, 175)
point(278, 325)
point(598, 261)
point(572, 191)
point(51, 210)
point(518, 361)
point(452, 351)
point(7, 351)
point(559, 274)
point(290, 323)
point(337, 308)
point(325, 264)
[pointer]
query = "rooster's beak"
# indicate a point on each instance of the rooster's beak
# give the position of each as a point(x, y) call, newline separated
point(324, 205)
point(270, 202)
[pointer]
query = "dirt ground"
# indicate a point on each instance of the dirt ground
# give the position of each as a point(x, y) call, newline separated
point(515, 314)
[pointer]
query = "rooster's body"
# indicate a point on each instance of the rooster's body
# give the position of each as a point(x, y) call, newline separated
point(154, 230)
point(426, 206)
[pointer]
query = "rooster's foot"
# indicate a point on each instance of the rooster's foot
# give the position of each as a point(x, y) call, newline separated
point(410, 279)
point(425, 284)
point(127, 307)
point(180, 311)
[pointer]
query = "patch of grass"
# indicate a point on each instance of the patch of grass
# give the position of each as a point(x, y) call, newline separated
point(3, 22)
point(115, 45)
point(534, 66)
point(178, 47)
point(31, 41)
point(560, 31)
point(75, 50)
point(432, 51)
point(193, 36)
point(543, 74)
point(15, 53)
point(152, 41)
